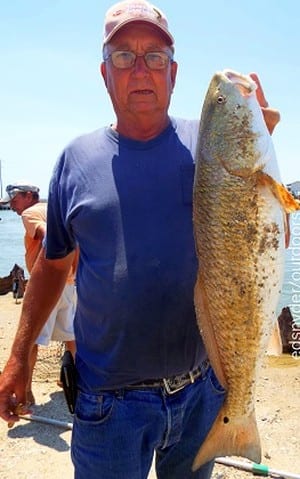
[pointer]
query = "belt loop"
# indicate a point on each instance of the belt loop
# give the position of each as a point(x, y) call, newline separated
point(191, 377)
point(119, 393)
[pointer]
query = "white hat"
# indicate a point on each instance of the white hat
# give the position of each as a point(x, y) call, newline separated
point(17, 187)
point(129, 11)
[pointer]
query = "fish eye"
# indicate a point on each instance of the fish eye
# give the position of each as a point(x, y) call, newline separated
point(221, 99)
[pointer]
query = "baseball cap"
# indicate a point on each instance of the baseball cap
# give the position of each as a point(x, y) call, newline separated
point(17, 187)
point(130, 11)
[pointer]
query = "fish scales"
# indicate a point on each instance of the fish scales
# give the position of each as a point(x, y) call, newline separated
point(239, 236)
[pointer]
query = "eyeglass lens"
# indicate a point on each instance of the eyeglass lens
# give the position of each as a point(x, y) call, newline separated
point(126, 59)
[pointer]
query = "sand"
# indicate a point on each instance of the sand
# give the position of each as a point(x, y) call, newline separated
point(41, 451)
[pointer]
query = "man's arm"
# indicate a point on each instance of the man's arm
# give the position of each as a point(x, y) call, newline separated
point(40, 232)
point(44, 288)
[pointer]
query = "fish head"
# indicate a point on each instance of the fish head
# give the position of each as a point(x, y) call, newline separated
point(233, 132)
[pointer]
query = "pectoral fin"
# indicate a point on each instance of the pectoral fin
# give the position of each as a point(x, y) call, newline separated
point(285, 198)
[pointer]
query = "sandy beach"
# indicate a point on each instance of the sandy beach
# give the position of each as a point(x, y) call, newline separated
point(33, 450)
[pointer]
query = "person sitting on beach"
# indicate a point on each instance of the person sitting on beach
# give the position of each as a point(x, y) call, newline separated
point(24, 199)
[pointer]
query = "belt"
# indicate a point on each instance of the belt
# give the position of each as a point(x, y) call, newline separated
point(174, 383)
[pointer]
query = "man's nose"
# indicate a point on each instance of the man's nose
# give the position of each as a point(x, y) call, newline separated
point(140, 65)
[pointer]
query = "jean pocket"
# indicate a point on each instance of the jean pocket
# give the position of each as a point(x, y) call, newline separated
point(214, 383)
point(94, 409)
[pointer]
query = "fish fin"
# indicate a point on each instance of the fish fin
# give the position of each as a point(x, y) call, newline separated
point(236, 437)
point(275, 342)
point(285, 198)
point(206, 328)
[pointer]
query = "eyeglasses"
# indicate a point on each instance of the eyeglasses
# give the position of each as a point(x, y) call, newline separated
point(127, 59)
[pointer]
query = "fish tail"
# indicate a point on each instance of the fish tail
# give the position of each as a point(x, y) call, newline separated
point(236, 437)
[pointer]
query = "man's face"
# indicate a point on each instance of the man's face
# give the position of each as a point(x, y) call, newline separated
point(21, 202)
point(139, 89)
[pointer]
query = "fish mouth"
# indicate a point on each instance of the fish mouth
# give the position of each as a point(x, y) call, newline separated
point(244, 83)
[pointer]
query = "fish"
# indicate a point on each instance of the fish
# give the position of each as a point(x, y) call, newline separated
point(240, 210)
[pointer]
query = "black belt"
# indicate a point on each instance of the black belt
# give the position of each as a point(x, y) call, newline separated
point(174, 383)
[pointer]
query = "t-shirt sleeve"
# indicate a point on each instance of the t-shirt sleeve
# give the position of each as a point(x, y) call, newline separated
point(32, 220)
point(59, 241)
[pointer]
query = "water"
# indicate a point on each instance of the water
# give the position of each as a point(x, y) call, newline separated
point(12, 251)
point(11, 242)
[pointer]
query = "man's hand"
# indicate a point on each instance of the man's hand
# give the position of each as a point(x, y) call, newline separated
point(13, 381)
point(271, 116)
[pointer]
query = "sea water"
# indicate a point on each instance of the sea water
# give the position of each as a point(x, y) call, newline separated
point(11, 242)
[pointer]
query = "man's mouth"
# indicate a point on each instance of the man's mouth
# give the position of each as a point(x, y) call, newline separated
point(142, 92)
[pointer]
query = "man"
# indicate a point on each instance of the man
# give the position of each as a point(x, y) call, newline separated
point(124, 193)
point(24, 200)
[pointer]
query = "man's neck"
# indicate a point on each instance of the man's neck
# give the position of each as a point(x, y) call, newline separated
point(142, 129)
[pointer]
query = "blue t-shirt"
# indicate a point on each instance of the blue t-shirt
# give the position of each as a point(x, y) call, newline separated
point(128, 204)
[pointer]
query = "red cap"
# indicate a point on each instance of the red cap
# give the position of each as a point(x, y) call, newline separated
point(130, 11)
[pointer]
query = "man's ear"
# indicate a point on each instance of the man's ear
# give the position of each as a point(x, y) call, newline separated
point(103, 72)
point(174, 67)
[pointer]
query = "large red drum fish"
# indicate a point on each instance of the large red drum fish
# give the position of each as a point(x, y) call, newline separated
point(240, 211)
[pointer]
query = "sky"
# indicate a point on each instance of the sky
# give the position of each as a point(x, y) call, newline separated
point(51, 90)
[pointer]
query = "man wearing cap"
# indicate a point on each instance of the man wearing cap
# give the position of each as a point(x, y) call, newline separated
point(124, 194)
point(23, 197)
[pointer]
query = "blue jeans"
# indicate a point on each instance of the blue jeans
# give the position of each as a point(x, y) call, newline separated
point(115, 434)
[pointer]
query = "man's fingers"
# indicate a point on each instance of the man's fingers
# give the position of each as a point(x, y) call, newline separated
point(272, 117)
point(20, 409)
point(7, 410)
point(11, 406)
point(259, 92)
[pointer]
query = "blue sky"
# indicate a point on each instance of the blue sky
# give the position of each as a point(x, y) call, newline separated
point(51, 91)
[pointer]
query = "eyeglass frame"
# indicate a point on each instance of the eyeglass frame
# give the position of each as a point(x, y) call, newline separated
point(169, 56)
